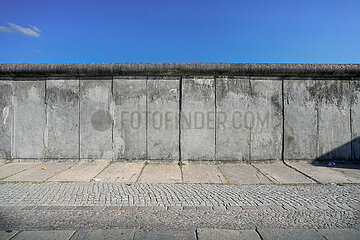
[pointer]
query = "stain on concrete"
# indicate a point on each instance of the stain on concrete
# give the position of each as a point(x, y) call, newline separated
point(335, 91)
point(101, 120)
point(55, 94)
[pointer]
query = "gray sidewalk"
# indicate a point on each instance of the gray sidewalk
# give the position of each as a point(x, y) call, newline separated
point(258, 173)
point(291, 200)
point(197, 234)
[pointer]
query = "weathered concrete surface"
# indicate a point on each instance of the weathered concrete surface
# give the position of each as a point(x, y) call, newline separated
point(280, 173)
point(130, 118)
point(355, 119)
point(198, 119)
point(108, 234)
point(226, 234)
point(243, 174)
point(82, 172)
point(6, 118)
point(44, 235)
point(266, 109)
point(286, 234)
point(62, 98)
point(29, 120)
point(121, 172)
point(334, 119)
point(41, 172)
point(352, 171)
point(208, 173)
point(163, 117)
point(95, 119)
point(6, 235)
point(232, 108)
point(300, 119)
point(165, 235)
point(13, 168)
point(341, 233)
point(161, 173)
point(326, 174)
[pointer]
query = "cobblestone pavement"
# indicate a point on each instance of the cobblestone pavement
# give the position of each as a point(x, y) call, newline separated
point(177, 206)
point(345, 197)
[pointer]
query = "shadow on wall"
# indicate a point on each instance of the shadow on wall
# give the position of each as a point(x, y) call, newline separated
point(342, 157)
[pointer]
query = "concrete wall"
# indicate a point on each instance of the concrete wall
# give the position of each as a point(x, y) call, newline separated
point(222, 118)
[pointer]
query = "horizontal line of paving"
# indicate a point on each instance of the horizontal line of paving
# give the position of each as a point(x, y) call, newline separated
point(199, 233)
point(350, 207)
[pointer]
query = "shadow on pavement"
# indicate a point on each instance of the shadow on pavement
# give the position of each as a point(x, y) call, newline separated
point(345, 156)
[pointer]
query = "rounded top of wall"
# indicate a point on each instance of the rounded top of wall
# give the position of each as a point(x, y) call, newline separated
point(179, 69)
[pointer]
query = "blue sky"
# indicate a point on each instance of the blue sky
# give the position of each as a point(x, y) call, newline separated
point(180, 31)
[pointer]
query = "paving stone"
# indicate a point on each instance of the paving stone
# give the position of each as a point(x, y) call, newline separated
point(7, 235)
point(208, 173)
point(204, 208)
point(41, 172)
point(189, 208)
point(234, 208)
point(13, 168)
point(175, 208)
point(95, 119)
point(28, 208)
point(121, 172)
point(29, 119)
point(62, 97)
point(280, 208)
point(225, 234)
point(6, 118)
point(266, 114)
point(280, 173)
point(243, 174)
point(198, 118)
point(112, 208)
point(248, 208)
point(159, 208)
point(232, 130)
point(54, 208)
point(163, 118)
point(129, 208)
point(294, 234)
point(161, 173)
point(219, 208)
point(82, 208)
point(326, 174)
point(334, 117)
point(145, 208)
point(41, 208)
point(300, 137)
point(110, 234)
point(83, 171)
point(344, 234)
point(98, 208)
point(46, 235)
point(130, 118)
point(68, 208)
point(165, 235)
point(262, 207)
